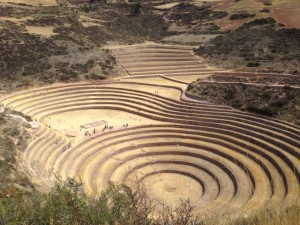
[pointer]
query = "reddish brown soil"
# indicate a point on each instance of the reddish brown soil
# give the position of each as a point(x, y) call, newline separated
point(289, 17)
point(223, 5)
point(287, 13)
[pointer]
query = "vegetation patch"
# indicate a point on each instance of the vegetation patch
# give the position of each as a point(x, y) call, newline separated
point(267, 99)
point(239, 16)
point(259, 22)
point(32, 59)
point(65, 203)
point(13, 140)
point(254, 45)
point(186, 13)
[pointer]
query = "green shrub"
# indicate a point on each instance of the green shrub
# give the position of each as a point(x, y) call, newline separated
point(67, 204)
point(64, 204)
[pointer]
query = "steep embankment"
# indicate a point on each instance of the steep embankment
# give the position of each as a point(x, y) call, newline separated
point(13, 140)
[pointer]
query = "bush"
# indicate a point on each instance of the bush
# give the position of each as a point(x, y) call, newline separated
point(11, 132)
point(86, 8)
point(136, 9)
point(253, 64)
point(239, 16)
point(267, 111)
point(229, 94)
point(265, 10)
point(28, 118)
point(68, 74)
point(267, 3)
point(94, 76)
point(67, 204)
point(2, 120)
point(259, 22)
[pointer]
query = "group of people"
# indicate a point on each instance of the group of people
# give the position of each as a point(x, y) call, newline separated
point(87, 133)
point(107, 127)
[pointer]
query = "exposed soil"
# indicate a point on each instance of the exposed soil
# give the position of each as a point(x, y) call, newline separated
point(289, 17)
point(32, 2)
point(285, 12)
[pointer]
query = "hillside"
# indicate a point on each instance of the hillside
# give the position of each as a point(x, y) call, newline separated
point(121, 112)
point(268, 96)
point(256, 46)
point(13, 141)
point(43, 43)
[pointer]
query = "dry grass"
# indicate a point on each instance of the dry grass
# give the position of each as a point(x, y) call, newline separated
point(271, 216)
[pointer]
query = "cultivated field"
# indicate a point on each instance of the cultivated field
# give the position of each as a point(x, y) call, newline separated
point(144, 128)
point(286, 12)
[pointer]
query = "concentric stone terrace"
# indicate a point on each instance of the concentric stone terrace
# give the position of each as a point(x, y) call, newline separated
point(218, 157)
